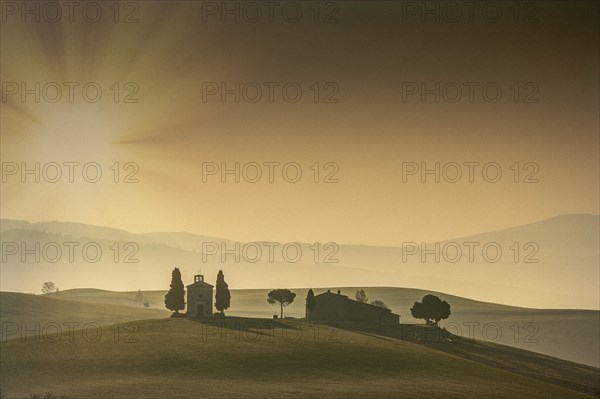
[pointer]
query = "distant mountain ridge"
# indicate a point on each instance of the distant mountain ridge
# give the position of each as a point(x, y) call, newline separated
point(566, 274)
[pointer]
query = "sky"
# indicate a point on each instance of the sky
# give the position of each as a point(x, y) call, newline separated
point(187, 91)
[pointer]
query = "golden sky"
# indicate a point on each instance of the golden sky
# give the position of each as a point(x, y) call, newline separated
point(169, 58)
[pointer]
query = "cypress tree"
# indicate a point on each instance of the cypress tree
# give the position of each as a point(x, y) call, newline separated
point(310, 303)
point(222, 295)
point(174, 299)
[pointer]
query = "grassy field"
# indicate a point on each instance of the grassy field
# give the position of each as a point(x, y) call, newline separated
point(25, 312)
point(567, 334)
point(184, 358)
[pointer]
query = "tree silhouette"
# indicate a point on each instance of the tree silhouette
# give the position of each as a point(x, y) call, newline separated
point(139, 296)
point(310, 302)
point(418, 312)
point(281, 296)
point(174, 298)
point(222, 296)
point(48, 287)
point(431, 308)
point(361, 296)
point(379, 304)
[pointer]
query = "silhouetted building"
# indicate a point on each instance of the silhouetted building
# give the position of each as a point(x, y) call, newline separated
point(338, 307)
point(199, 298)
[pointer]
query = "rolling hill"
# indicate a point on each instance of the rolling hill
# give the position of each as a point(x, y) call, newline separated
point(566, 334)
point(552, 294)
point(180, 358)
point(554, 263)
point(24, 311)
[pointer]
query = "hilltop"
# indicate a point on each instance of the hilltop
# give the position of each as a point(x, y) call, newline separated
point(273, 359)
point(566, 334)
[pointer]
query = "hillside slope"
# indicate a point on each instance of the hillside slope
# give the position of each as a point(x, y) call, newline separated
point(181, 358)
point(566, 334)
point(20, 313)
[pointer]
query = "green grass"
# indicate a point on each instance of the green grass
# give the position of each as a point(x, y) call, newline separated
point(151, 356)
point(16, 309)
point(564, 373)
point(183, 358)
point(567, 334)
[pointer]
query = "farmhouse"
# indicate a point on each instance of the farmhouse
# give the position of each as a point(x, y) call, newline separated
point(199, 298)
point(338, 307)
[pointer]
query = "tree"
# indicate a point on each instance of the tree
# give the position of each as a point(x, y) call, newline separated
point(222, 296)
point(418, 312)
point(139, 296)
point(48, 287)
point(310, 303)
point(361, 296)
point(174, 298)
point(282, 296)
point(379, 304)
point(431, 308)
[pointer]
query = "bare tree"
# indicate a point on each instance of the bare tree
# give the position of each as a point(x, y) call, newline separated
point(361, 296)
point(48, 287)
point(379, 304)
